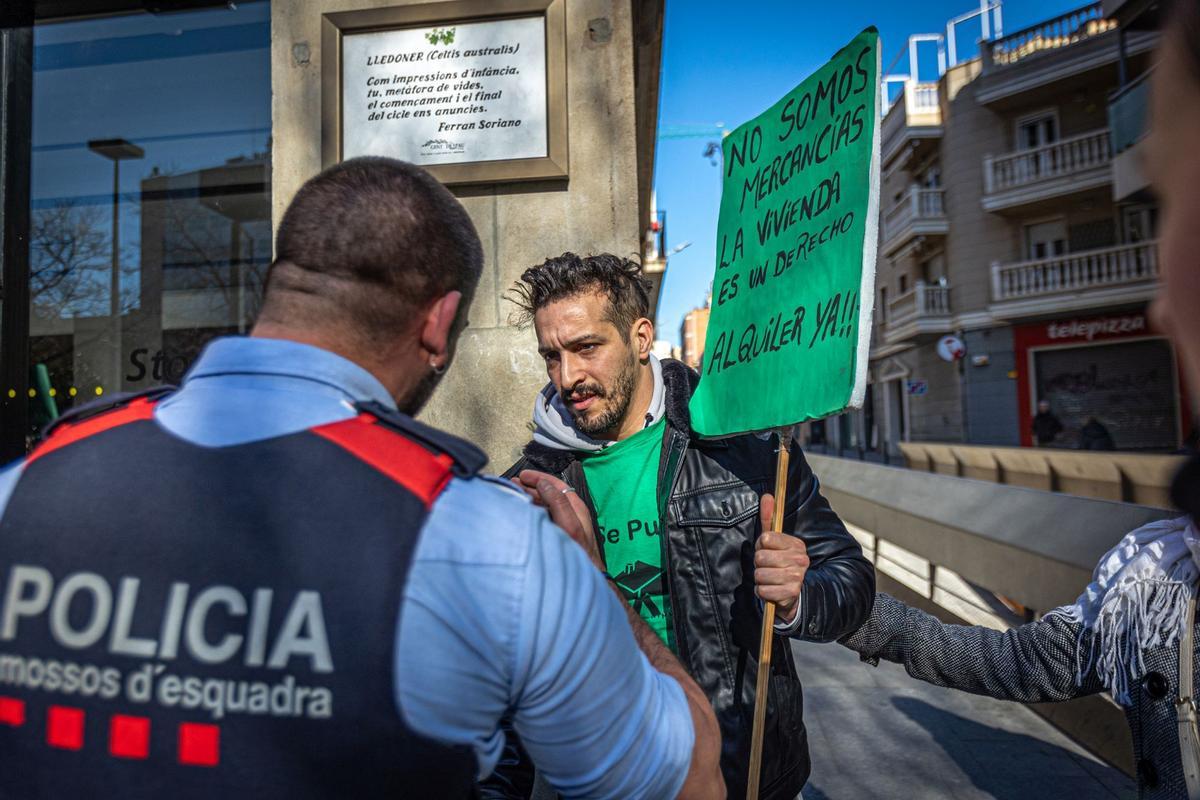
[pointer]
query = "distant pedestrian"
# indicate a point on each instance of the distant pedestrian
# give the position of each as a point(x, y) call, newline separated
point(1046, 426)
point(1094, 436)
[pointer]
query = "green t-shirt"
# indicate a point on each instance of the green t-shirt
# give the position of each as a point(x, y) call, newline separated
point(623, 482)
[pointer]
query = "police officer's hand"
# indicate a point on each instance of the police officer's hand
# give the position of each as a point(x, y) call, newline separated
point(565, 507)
point(780, 563)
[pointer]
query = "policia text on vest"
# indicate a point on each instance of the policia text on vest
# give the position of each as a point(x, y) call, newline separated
point(83, 610)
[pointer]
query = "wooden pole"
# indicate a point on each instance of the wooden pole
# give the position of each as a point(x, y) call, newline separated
point(768, 625)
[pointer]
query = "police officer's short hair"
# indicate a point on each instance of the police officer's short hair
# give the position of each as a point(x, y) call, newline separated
point(618, 279)
point(371, 240)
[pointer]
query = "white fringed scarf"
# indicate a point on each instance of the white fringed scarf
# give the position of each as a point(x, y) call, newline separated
point(1137, 600)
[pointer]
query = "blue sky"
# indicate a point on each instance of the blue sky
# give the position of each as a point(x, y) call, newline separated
point(725, 65)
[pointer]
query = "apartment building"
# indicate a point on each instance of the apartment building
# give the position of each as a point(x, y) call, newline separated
point(1008, 224)
point(691, 335)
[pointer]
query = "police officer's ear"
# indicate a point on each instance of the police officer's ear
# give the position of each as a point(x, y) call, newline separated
point(437, 329)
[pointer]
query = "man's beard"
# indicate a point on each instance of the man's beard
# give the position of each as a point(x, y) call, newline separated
point(420, 394)
point(618, 399)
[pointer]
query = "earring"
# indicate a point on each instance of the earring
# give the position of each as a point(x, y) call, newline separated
point(437, 370)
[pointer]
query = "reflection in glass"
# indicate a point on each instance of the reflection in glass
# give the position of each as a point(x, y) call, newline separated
point(151, 227)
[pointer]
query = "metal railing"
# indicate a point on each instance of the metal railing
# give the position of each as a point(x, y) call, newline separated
point(1128, 111)
point(1073, 272)
point(1071, 28)
point(917, 204)
point(1059, 159)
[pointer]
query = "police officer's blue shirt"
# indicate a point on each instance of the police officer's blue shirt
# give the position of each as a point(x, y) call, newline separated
point(502, 612)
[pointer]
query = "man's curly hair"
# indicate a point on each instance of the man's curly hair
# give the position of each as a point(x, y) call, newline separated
point(620, 279)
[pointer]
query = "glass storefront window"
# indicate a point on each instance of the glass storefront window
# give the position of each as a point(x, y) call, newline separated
point(150, 199)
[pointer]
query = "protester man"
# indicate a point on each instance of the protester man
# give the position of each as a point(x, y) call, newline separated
point(274, 583)
point(678, 518)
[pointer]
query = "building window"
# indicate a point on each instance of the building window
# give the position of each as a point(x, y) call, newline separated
point(150, 196)
point(932, 177)
point(1139, 223)
point(1037, 130)
point(903, 284)
point(933, 269)
point(1046, 240)
point(1092, 235)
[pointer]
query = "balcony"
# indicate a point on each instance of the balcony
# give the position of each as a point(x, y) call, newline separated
point(1069, 45)
point(923, 309)
point(1126, 273)
point(920, 212)
point(915, 117)
point(1128, 110)
point(1068, 166)
point(1064, 31)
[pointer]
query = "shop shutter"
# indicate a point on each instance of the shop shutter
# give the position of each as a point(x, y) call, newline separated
point(1128, 386)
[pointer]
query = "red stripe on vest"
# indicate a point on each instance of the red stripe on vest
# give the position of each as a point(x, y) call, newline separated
point(137, 410)
point(406, 462)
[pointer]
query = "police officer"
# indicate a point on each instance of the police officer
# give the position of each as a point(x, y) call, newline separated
point(273, 582)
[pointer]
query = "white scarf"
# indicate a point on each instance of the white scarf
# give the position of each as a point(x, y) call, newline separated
point(1137, 600)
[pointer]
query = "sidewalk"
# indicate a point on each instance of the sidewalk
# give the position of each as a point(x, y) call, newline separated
point(876, 733)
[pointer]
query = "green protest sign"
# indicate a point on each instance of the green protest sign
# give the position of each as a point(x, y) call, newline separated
point(789, 332)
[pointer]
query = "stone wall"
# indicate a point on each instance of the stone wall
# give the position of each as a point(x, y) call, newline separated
point(487, 396)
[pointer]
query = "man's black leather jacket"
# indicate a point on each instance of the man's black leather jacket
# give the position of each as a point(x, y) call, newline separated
point(709, 492)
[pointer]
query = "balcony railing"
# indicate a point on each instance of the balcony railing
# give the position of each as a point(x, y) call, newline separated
point(923, 300)
point(921, 98)
point(917, 106)
point(1075, 272)
point(1059, 159)
point(918, 205)
point(1128, 110)
point(1069, 29)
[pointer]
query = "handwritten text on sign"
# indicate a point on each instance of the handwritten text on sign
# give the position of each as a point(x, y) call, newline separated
point(795, 238)
point(448, 94)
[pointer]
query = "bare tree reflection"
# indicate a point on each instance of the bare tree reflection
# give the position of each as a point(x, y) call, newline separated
point(204, 250)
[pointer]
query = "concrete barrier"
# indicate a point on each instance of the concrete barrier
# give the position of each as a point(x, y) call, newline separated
point(1023, 467)
point(1087, 474)
point(1147, 478)
point(1139, 478)
point(942, 460)
point(915, 456)
point(978, 463)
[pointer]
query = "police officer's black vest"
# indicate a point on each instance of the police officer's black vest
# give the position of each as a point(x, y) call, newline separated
point(181, 621)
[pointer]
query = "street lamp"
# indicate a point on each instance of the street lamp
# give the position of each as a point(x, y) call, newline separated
point(117, 150)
